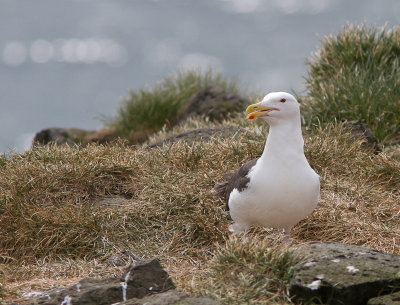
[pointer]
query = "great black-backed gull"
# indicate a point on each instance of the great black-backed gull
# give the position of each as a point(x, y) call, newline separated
point(279, 188)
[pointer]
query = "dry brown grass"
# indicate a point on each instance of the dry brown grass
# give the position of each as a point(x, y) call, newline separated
point(360, 194)
point(55, 227)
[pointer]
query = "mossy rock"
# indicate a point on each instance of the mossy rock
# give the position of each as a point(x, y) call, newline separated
point(334, 273)
point(214, 103)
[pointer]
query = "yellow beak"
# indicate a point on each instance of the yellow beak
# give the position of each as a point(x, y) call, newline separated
point(256, 110)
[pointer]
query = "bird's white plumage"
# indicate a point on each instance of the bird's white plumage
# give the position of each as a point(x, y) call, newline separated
point(283, 188)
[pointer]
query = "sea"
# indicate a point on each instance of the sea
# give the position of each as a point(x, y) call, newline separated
point(70, 63)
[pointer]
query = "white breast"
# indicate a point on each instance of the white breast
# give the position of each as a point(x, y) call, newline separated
point(279, 194)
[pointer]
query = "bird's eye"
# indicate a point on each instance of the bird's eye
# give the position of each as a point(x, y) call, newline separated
point(283, 100)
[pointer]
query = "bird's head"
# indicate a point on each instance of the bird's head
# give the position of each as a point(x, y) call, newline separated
point(274, 106)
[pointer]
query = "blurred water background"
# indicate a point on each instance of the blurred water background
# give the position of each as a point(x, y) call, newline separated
point(62, 63)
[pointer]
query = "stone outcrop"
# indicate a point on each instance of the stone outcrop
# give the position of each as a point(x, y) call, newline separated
point(101, 136)
point(214, 103)
point(72, 136)
point(326, 273)
point(361, 131)
point(334, 273)
point(60, 136)
point(144, 282)
point(144, 277)
point(171, 297)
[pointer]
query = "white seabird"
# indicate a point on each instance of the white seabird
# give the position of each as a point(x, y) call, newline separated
point(279, 188)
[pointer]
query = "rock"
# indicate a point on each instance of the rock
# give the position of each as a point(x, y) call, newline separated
point(60, 136)
point(202, 134)
point(361, 131)
point(171, 297)
point(87, 291)
point(389, 299)
point(144, 277)
point(101, 136)
point(215, 103)
point(144, 282)
point(334, 273)
point(72, 136)
point(140, 279)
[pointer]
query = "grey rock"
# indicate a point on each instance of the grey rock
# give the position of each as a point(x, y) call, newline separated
point(144, 282)
point(202, 134)
point(140, 279)
point(44, 295)
point(171, 297)
point(214, 103)
point(101, 136)
point(333, 273)
point(144, 277)
point(389, 299)
point(361, 131)
point(87, 291)
point(73, 136)
point(60, 136)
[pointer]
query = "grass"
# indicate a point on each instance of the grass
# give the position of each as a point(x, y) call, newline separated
point(250, 272)
point(355, 74)
point(58, 221)
point(147, 110)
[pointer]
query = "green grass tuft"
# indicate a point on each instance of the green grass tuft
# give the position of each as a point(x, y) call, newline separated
point(356, 75)
point(147, 110)
point(251, 272)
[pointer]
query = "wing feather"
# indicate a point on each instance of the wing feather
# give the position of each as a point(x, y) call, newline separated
point(234, 180)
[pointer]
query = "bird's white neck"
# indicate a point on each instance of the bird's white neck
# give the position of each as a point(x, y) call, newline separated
point(285, 137)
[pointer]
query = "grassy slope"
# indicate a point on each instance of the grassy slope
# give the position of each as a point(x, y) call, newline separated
point(53, 228)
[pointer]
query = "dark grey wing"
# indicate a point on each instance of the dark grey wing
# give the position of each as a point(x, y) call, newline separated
point(234, 180)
